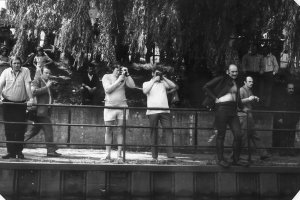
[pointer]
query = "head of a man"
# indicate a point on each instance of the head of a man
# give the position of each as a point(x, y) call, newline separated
point(157, 71)
point(90, 70)
point(16, 63)
point(248, 82)
point(45, 73)
point(4, 51)
point(290, 88)
point(115, 69)
point(232, 71)
point(39, 51)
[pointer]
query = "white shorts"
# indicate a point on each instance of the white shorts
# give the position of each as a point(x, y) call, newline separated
point(114, 114)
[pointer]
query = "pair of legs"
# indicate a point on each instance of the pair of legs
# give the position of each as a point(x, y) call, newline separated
point(248, 128)
point(48, 132)
point(166, 123)
point(284, 138)
point(14, 132)
point(86, 96)
point(114, 117)
point(226, 115)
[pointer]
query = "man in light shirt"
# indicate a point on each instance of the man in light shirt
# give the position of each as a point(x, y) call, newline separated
point(114, 88)
point(155, 89)
point(15, 91)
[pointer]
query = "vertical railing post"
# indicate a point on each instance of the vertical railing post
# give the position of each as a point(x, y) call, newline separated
point(69, 126)
point(124, 134)
point(248, 136)
point(196, 131)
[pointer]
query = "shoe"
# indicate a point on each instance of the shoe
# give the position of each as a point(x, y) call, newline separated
point(8, 156)
point(224, 163)
point(21, 156)
point(240, 163)
point(265, 156)
point(107, 157)
point(120, 160)
point(154, 161)
point(53, 154)
point(171, 156)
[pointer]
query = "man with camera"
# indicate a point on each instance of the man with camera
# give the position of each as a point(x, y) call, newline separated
point(114, 88)
point(156, 91)
point(41, 89)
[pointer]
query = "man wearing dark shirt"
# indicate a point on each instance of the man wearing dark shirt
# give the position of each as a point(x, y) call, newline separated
point(89, 86)
point(288, 121)
point(224, 93)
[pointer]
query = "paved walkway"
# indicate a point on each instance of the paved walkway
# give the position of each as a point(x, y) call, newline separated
point(96, 156)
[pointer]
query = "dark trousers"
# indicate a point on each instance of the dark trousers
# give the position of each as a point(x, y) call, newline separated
point(166, 123)
point(14, 132)
point(48, 132)
point(226, 114)
point(87, 97)
point(248, 130)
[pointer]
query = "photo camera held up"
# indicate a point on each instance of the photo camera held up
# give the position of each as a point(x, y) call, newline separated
point(123, 70)
point(160, 74)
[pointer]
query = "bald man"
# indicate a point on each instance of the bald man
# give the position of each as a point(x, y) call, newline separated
point(224, 93)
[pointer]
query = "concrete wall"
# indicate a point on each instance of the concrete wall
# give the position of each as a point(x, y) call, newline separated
point(134, 136)
point(21, 181)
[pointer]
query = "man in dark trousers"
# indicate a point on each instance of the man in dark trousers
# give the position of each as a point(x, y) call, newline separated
point(285, 138)
point(15, 91)
point(89, 86)
point(224, 93)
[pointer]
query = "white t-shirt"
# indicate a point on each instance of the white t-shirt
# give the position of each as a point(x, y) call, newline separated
point(117, 97)
point(157, 97)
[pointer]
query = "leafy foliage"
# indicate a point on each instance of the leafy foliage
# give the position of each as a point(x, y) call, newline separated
point(186, 31)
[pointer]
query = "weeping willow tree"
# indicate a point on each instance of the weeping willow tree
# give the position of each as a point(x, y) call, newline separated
point(185, 31)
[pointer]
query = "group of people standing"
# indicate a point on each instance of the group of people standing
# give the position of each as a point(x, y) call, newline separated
point(18, 92)
point(156, 92)
point(232, 103)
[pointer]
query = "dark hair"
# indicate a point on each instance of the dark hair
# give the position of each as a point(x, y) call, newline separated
point(157, 67)
point(39, 49)
point(15, 58)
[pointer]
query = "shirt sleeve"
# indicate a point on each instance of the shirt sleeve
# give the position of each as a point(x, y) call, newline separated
point(27, 78)
point(243, 94)
point(105, 81)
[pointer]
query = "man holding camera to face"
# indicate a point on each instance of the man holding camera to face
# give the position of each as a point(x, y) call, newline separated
point(156, 91)
point(114, 88)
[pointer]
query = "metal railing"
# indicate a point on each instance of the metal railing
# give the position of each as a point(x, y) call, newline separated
point(125, 126)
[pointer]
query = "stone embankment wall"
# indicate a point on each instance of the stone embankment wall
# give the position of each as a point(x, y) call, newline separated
point(185, 120)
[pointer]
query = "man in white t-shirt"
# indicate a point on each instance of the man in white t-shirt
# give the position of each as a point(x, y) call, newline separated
point(114, 88)
point(155, 89)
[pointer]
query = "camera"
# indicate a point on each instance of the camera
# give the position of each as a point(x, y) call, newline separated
point(123, 70)
point(160, 74)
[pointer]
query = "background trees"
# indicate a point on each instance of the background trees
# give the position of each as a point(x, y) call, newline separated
point(193, 33)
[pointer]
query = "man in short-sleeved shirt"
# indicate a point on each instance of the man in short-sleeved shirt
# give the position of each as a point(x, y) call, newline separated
point(114, 88)
point(15, 91)
point(156, 91)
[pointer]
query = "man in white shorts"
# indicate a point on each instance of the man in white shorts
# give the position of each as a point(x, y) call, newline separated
point(114, 88)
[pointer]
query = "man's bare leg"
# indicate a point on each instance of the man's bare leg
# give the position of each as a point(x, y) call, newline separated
point(108, 138)
point(120, 137)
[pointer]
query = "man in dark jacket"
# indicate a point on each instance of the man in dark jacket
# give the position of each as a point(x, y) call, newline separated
point(41, 90)
point(285, 138)
point(89, 86)
point(224, 93)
